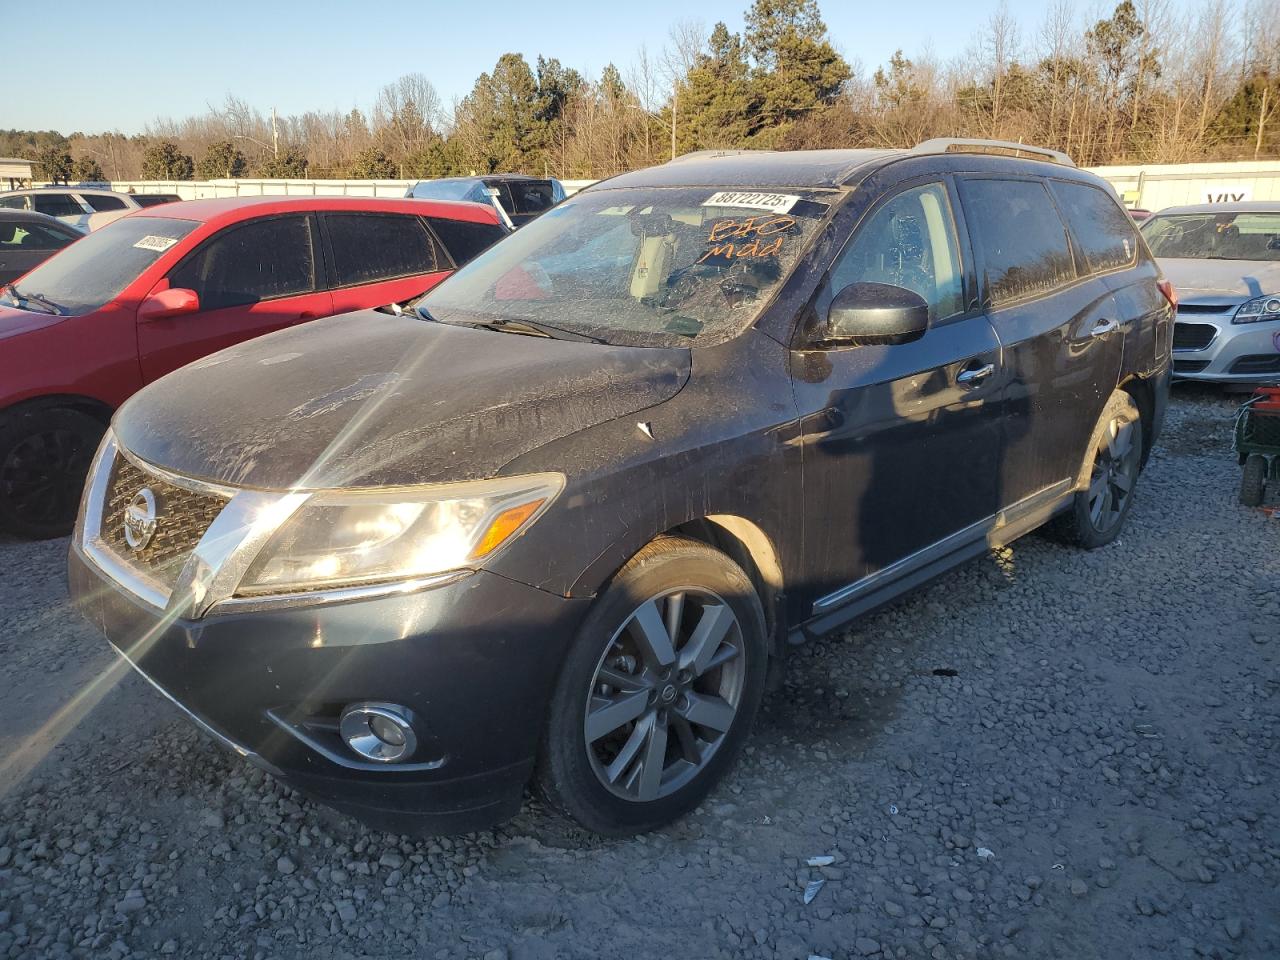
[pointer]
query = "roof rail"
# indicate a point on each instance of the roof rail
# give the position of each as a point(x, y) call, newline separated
point(1005, 148)
point(727, 152)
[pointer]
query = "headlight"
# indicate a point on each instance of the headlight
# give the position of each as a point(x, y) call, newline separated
point(344, 539)
point(1260, 308)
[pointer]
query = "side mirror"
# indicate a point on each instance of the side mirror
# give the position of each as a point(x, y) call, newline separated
point(174, 302)
point(866, 313)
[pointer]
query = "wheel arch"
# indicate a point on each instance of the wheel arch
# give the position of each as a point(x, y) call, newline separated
point(747, 545)
point(62, 401)
point(1144, 395)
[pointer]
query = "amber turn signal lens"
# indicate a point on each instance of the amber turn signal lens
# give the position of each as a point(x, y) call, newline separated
point(504, 525)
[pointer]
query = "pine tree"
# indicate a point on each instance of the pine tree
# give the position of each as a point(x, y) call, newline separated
point(797, 70)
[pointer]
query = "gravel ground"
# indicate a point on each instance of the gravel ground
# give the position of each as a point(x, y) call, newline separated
point(1047, 753)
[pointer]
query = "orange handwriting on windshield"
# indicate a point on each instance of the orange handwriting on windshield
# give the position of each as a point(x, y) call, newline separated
point(750, 227)
point(744, 251)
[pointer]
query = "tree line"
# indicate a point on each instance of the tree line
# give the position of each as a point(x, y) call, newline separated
point(1145, 83)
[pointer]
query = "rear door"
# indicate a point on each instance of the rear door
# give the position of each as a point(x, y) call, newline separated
point(1059, 329)
point(251, 278)
point(381, 258)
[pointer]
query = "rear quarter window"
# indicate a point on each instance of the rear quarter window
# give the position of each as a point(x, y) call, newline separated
point(464, 239)
point(1023, 241)
point(1103, 232)
point(102, 203)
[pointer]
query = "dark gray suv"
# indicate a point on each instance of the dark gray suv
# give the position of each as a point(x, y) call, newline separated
point(558, 524)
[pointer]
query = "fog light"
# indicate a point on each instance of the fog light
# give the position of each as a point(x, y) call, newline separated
point(378, 731)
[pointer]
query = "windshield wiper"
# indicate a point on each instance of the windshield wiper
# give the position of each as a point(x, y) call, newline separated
point(528, 328)
point(21, 298)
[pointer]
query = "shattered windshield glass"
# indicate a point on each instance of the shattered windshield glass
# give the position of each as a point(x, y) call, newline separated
point(644, 267)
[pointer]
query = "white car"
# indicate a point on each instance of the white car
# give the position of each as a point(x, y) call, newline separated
point(85, 208)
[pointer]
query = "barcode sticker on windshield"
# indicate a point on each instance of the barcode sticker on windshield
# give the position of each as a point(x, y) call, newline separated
point(774, 202)
point(158, 244)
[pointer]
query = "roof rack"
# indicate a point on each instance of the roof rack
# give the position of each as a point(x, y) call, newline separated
point(727, 152)
point(1002, 148)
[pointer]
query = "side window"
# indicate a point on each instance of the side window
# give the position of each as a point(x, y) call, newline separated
point(57, 204)
point(101, 202)
point(260, 260)
point(32, 236)
point(1023, 240)
point(1103, 232)
point(15, 203)
point(908, 242)
point(368, 247)
point(464, 239)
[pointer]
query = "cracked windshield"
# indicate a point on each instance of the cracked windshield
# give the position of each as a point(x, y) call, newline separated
point(639, 267)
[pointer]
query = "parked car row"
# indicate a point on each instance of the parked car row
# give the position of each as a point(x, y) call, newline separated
point(557, 520)
point(85, 208)
point(169, 284)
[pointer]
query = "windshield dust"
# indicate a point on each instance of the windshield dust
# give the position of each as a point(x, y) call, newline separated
point(647, 267)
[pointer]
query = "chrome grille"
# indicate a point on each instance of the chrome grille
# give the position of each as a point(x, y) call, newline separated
point(182, 517)
point(1193, 336)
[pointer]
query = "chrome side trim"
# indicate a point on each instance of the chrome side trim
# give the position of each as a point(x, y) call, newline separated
point(900, 567)
point(338, 595)
point(940, 548)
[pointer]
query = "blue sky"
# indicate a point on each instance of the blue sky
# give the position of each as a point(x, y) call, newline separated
point(325, 55)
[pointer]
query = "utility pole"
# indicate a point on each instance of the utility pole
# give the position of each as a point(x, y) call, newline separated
point(675, 102)
point(275, 135)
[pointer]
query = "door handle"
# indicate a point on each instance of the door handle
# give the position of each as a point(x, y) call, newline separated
point(308, 315)
point(974, 376)
point(1103, 327)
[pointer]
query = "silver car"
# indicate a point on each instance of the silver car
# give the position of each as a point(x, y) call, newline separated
point(1224, 261)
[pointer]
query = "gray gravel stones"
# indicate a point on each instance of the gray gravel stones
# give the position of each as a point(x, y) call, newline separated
point(1102, 722)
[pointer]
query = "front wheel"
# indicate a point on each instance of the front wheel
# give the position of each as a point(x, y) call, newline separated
point(44, 457)
point(658, 692)
point(1098, 511)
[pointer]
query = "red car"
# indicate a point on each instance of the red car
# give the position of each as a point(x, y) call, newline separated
point(167, 285)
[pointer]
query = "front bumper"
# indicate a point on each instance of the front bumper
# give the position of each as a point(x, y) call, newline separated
point(474, 660)
point(1232, 343)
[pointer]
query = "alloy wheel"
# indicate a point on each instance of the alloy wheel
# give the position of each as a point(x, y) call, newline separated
point(664, 694)
point(1115, 472)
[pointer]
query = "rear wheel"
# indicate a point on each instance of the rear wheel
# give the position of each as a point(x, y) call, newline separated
point(658, 692)
point(44, 457)
point(1097, 512)
point(1253, 485)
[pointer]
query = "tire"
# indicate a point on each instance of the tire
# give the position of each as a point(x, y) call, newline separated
point(1099, 509)
point(659, 762)
point(1253, 485)
point(44, 457)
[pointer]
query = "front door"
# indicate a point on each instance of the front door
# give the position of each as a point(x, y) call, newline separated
point(1059, 326)
point(901, 442)
point(251, 278)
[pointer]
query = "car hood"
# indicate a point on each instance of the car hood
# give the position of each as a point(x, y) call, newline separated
point(14, 321)
point(369, 399)
point(1221, 282)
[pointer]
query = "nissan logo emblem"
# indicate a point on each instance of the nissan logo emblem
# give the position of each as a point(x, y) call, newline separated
point(140, 519)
